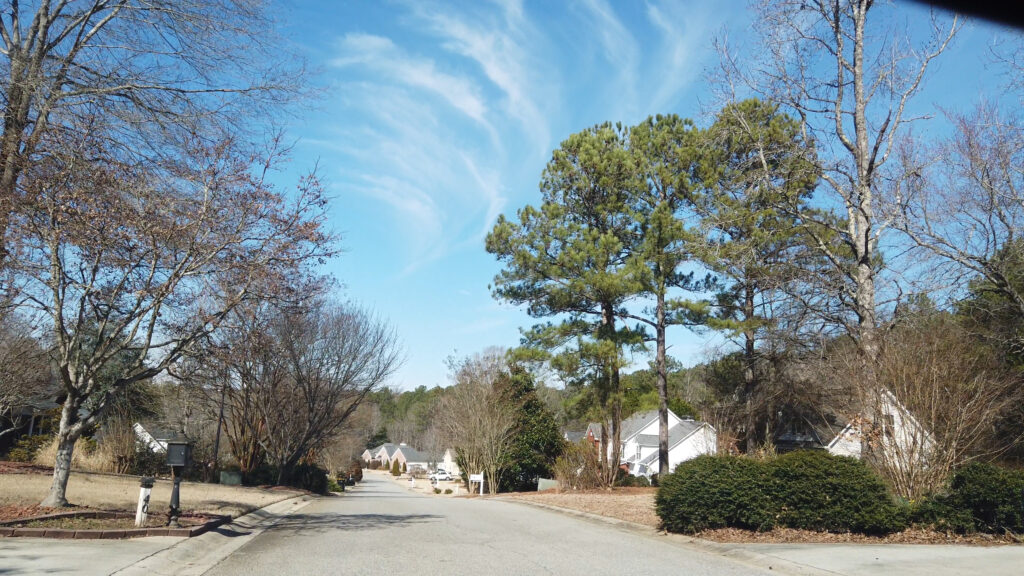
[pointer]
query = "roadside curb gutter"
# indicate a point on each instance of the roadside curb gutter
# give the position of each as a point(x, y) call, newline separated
point(731, 551)
point(196, 556)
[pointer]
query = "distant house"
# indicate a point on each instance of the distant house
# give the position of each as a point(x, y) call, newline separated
point(592, 434)
point(384, 454)
point(687, 439)
point(449, 464)
point(412, 458)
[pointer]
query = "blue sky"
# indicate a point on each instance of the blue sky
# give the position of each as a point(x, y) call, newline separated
point(437, 117)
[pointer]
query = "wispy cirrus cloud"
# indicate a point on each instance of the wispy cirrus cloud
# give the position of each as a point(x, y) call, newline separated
point(685, 32)
point(381, 56)
point(508, 50)
point(618, 47)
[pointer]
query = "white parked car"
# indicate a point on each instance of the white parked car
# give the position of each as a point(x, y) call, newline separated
point(440, 475)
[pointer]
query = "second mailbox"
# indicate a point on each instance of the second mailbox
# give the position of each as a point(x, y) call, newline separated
point(179, 453)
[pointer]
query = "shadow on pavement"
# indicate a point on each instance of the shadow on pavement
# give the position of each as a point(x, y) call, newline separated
point(332, 522)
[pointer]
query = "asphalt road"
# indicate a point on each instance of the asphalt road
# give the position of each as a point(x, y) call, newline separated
point(382, 528)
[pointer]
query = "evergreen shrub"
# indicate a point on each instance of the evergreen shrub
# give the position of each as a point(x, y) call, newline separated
point(815, 490)
point(26, 447)
point(986, 498)
point(715, 492)
point(809, 490)
point(309, 477)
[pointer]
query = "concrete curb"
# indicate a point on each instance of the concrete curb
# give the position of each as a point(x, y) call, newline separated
point(731, 551)
point(196, 556)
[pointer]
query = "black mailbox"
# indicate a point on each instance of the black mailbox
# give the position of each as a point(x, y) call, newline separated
point(179, 453)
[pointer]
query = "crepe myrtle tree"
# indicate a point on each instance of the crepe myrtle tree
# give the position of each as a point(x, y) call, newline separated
point(144, 259)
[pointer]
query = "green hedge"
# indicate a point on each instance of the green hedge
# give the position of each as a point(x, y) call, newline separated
point(715, 492)
point(810, 490)
point(981, 498)
point(814, 490)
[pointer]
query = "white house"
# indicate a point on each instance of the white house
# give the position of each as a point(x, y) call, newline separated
point(687, 439)
point(155, 443)
point(449, 464)
point(896, 434)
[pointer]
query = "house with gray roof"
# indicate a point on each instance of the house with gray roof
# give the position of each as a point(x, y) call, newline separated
point(687, 439)
point(412, 458)
point(382, 454)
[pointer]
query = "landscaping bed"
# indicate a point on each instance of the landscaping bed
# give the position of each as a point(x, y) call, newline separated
point(105, 524)
point(629, 504)
point(637, 505)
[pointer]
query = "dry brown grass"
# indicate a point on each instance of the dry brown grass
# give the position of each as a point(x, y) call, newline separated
point(85, 457)
point(113, 492)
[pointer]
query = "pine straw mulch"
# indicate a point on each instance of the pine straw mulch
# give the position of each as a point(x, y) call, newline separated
point(637, 505)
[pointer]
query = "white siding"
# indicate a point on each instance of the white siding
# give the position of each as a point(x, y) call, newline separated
point(703, 441)
point(846, 443)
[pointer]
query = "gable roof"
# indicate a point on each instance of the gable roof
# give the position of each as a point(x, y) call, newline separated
point(413, 455)
point(389, 449)
point(574, 436)
point(637, 422)
point(676, 435)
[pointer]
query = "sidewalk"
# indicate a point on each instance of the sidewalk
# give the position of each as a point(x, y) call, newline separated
point(155, 555)
point(902, 559)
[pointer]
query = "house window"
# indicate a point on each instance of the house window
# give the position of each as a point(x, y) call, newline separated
point(889, 423)
point(637, 451)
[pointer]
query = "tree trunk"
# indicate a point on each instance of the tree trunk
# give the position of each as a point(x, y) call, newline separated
point(616, 432)
point(660, 361)
point(68, 433)
point(749, 381)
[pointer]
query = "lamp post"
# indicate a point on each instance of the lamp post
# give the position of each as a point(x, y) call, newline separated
point(179, 455)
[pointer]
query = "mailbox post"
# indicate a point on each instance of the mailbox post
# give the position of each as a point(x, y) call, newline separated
point(142, 512)
point(179, 455)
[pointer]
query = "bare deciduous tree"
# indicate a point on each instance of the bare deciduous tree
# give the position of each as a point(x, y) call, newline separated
point(848, 77)
point(133, 265)
point(967, 203)
point(477, 421)
point(24, 371)
point(155, 71)
point(331, 357)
